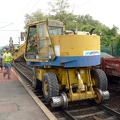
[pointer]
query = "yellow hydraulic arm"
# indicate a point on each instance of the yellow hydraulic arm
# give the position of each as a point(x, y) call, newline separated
point(19, 53)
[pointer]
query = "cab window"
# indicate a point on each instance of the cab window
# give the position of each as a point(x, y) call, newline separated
point(31, 50)
point(41, 30)
point(55, 30)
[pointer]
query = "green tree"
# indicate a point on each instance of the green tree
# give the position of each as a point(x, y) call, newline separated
point(117, 46)
point(35, 16)
point(109, 38)
point(59, 10)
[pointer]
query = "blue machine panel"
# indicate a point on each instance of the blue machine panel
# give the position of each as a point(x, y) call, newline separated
point(68, 62)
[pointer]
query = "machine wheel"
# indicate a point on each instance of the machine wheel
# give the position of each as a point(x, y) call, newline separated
point(35, 81)
point(50, 86)
point(99, 98)
point(99, 79)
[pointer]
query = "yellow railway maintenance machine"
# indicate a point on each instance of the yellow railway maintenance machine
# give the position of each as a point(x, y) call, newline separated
point(64, 62)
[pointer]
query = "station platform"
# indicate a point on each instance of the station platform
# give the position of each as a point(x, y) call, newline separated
point(16, 103)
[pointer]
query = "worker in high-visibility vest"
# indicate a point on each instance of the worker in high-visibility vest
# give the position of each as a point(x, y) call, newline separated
point(7, 59)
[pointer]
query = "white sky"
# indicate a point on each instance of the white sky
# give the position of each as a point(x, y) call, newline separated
point(12, 14)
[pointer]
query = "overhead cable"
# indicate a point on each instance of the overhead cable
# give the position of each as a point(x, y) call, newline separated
point(6, 25)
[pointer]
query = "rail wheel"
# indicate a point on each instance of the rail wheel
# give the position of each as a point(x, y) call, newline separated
point(99, 79)
point(50, 86)
point(99, 97)
point(35, 81)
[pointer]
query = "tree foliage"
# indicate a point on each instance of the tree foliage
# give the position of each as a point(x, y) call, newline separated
point(117, 46)
point(35, 16)
point(59, 9)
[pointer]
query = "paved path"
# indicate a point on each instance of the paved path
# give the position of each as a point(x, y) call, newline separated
point(16, 103)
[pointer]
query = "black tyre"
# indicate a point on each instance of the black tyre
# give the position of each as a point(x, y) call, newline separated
point(35, 81)
point(50, 86)
point(99, 79)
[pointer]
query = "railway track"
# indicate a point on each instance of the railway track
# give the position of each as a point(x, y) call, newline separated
point(80, 110)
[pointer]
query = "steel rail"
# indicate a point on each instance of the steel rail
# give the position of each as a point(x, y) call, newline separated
point(109, 110)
